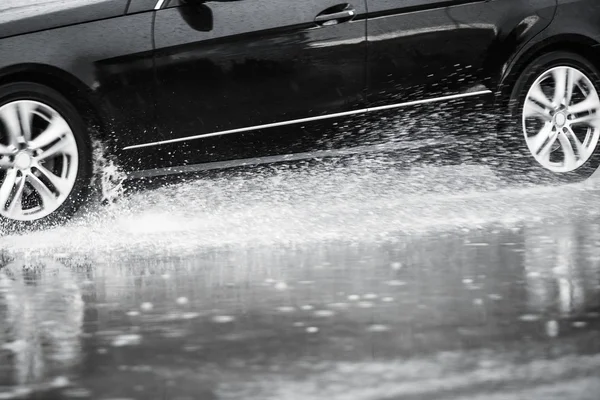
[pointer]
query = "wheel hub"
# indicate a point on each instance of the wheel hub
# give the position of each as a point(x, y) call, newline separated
point(560, 120)
point(23, 161)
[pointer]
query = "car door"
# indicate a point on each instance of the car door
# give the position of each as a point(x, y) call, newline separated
point(421, 50)
point(251, 78)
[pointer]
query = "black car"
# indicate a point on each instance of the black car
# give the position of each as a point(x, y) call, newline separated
point(179, 85)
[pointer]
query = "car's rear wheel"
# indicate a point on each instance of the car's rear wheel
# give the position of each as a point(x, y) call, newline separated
point(45, 157)
point(553, 127)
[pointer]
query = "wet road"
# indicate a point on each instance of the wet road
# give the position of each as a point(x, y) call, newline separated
point(361, 282)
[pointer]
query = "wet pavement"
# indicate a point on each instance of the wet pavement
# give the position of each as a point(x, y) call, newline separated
point(362, 282)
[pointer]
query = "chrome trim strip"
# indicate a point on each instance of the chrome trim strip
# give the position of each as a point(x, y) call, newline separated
point(159, 4)
point(379, 148)
point(311, 119)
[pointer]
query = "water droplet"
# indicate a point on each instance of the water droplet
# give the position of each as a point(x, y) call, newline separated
point(396, 266)
point(307, 307)
point(467, 281)
point(365, 304)
point(133, 313)
point(552, 328)
point(353, 297)
point(324, 313)
point(299, 324)
point(60, 381)
point(147, 306)
point(387, 299)
point(281, 286)
point(182, 301)
point(494, 296)
point(222, 319)
point(378, 328)
point(395, 283)
point(579, 324)
point(312, 329)
point(286, 309)
point(529, 317)
point(478, 302)
point(165, 276)
point(127, 340)
point(370, 296)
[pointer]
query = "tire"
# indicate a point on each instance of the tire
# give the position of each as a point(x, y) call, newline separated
point(515, 143)
point(57, 154)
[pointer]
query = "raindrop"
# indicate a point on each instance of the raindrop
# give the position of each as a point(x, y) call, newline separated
point(307, 307)
point(365, 304)
point(387, 299)
point(182, 301)
point(395, 283)
point(133, 313)
point(579, 324)
point(396, 266)
point(370, 296)
point(60, 381)
point(165, 276)
point(147, 306)
point(478, 302)
point(126, 340)
point(281, 286)
point(312, 329)
point(552, 328)
point(286, 309)
point(353, 297)
point(529, 317)
point(494, 296)
point(190, 315)
point(466, 281)
point(299, 324)
point(378, 328)
point(324, 313)
point(222, 319)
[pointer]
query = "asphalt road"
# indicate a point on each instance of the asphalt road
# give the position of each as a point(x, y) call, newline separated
point(361, 282)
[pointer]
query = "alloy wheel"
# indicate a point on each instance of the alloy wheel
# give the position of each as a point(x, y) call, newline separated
point(561, 119)
point(39, 160)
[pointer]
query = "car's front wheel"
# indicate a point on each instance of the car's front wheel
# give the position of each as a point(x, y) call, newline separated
point(45, 157)
point(554, 119)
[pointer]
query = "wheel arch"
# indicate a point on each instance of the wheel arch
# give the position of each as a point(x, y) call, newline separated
point(581, 45)
point(74, 90)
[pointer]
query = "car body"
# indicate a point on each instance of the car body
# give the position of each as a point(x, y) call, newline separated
point(176, 85)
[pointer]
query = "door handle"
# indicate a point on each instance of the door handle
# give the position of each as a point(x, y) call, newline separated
point(334, 15)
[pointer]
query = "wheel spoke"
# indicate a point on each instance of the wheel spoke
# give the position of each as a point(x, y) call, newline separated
point(5, 164)
point(591, 103)
point(66, 145)
point(573, 78)
point(546, 148)
point(16, 204)
point(570, 160)
point(560, 85)
point(592, 120)
point(536, 142)
point(25, 110)
point(49, 200)
point(6, 150)
point(538, 95)
point(57, 128)
point(7, 187)
point(9, 115)
point(531, 109)
point(61, 185)
point(570, 135)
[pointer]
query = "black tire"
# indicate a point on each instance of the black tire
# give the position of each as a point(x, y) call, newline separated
point(80, 192)
point(514, 161)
